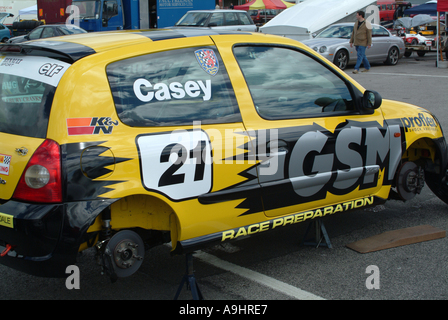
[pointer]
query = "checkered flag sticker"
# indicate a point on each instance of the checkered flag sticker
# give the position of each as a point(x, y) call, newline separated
point(6, 159)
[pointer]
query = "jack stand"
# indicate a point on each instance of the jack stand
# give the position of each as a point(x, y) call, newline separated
point(190, 280)
point(319, 235)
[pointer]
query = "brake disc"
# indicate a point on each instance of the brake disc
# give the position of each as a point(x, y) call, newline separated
point(410, 180)
point(126, 251)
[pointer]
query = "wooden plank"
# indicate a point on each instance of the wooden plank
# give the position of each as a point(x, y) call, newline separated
point(396, 238)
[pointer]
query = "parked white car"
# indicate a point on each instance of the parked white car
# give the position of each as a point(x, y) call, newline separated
point(238, 20)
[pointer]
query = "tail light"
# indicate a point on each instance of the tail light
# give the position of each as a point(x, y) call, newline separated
point(41, 179)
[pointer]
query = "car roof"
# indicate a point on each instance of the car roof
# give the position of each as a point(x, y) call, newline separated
point(350, 24)
point(63, 25)
point(217, 10)
point(71, 48)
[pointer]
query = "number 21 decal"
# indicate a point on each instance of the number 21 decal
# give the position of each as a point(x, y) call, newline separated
point(177, 164)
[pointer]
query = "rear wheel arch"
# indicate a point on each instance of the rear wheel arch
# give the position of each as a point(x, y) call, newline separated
point(392, 56)
point(144, 212)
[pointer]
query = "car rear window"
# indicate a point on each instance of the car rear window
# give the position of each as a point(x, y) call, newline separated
point(173, 88)
point(28, 86)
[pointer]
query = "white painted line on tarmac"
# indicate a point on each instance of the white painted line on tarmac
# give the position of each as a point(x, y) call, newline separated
point(407, 75)
point(257, 277)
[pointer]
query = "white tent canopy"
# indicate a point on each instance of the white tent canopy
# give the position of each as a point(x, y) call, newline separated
point(29, 10)
point(302, 20)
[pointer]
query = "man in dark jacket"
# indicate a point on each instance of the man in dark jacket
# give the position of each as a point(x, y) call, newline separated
point(361, 38)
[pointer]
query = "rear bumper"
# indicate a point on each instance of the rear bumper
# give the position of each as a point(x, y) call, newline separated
point(45, 238)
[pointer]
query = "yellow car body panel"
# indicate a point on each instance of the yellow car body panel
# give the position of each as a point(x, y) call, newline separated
point(203, 182)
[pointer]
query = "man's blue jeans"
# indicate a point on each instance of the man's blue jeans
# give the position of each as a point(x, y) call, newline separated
point(361, 51)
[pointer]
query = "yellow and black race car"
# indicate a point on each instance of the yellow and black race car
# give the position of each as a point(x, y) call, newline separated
point(129, 139)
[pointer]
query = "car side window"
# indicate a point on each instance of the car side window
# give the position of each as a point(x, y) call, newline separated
point(286, 83)
point(48, 32)
point(244, 18)
point(217, 19)
point(172, 88)
point(231, 19)
point(110, 9)
point(378, 31)
point(35, 34)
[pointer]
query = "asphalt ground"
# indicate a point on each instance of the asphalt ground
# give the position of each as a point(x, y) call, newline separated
point(274, 265)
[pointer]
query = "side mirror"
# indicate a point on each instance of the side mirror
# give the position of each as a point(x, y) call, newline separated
point(314, 35)
point(371, 100)
point(212, 24)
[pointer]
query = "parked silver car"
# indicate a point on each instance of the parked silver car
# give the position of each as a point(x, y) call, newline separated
point(238, 20)
point(334, 44)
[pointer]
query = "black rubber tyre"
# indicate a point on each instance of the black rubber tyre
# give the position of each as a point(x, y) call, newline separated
point(341, 59)
point(438, 185)
point(392, 56)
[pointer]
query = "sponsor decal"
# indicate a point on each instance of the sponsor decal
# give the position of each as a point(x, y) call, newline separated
point(94, 125)
point(295, 218)
point(9, 62)
point(354, 156)
point(42, 69)
point(145, 91)
point(419, 123)
point(50, 69)
point(5, 160)
point(207, 60)
point(30, 98)
point(177, 164)
point(6, 220)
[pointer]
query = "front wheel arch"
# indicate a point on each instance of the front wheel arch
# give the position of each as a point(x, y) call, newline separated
point(435, 165)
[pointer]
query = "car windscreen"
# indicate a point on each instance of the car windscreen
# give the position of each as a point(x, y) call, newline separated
point(28, 86)
point(343, 32)
point(88, 9)
point(195, 19)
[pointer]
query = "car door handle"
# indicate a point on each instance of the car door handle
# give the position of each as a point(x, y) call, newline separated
point(265, 164)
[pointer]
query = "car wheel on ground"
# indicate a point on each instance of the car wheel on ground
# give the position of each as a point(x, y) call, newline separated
point(421, 53)
point(392, 56)
point(341, 59)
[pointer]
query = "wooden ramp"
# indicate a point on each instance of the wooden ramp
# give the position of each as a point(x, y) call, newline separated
point(397, 238)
